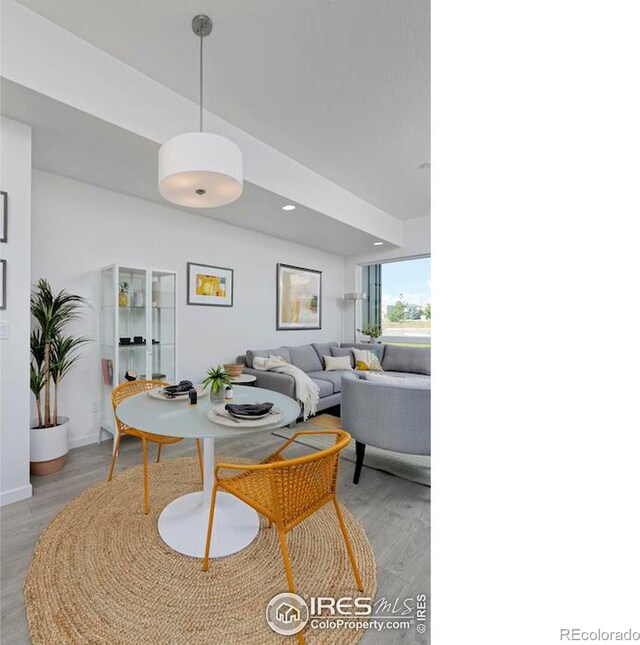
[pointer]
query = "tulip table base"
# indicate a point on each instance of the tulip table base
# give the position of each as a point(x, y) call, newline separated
point(183, 523)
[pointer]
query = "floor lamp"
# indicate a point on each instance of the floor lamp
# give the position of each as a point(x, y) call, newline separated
point(356, 297)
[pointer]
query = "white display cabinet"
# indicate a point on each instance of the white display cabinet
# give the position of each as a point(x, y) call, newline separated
point(137, 330)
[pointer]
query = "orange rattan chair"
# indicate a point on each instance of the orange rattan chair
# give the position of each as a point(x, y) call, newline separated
point(119, 394)
point(286, 491)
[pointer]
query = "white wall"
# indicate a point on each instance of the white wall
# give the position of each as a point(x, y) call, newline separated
point(416, 237)
point(15, 180)
point(77, 228)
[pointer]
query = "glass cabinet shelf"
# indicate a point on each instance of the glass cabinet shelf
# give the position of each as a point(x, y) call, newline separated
point(136, 303)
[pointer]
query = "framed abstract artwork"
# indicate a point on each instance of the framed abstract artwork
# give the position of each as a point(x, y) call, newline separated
point(209, 285)
point(4, 214)
point(3, 284)
point(298, 298)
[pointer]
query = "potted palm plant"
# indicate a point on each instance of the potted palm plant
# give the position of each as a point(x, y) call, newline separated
point(217, 379)
point(53, 354)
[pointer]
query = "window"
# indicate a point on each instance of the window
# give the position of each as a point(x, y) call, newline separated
point(399, 300)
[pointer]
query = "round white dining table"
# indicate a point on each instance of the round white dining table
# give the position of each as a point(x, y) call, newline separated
point(183, 523)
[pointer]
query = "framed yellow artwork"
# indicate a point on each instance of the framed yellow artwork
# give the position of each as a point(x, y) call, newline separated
point(209, 285)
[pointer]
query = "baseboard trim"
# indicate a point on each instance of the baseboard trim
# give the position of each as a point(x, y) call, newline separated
point(16, 495)
point(85, 440)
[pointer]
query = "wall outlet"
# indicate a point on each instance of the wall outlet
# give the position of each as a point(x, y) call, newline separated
point(95, 406)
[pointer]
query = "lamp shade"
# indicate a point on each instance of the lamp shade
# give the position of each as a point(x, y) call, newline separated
point(200, 170)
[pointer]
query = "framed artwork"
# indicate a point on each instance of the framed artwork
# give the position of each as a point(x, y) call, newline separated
point(3, 284)
point(299, 298)
point(3, 216)
point(209, 285)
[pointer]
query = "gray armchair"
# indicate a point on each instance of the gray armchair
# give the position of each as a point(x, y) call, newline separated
point(385, 416)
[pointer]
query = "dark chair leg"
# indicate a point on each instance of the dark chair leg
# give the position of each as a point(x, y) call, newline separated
point(359, 459)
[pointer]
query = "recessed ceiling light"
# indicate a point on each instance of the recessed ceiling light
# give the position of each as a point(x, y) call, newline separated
point(288, 207)
point(378, 243)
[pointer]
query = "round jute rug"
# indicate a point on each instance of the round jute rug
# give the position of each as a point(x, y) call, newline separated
point(100, 572)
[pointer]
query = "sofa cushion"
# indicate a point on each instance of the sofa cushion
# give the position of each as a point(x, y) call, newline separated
point(407, 359)
point(323, 349)
point(280, 351)
point(305, 357)
point(423, 377)
point(343, 351)
point(413, 382)
point(335, 378)
point(326, 387)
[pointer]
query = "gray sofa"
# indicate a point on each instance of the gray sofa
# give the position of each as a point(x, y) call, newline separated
point(395, 360)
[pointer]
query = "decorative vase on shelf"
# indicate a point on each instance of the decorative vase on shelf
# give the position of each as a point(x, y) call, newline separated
point(123, 293)
point(138, 299)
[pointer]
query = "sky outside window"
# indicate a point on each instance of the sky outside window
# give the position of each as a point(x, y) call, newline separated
point(411, 278)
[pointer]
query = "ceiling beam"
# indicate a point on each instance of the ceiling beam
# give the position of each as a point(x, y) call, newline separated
point(48, 59)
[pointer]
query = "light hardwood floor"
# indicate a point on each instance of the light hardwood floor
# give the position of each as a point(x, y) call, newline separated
point(395, 514)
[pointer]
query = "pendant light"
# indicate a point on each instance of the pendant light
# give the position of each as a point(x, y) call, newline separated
point(200, 169)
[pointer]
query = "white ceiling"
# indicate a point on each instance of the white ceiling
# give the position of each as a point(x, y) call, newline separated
point(74, 144)
point(342, 86)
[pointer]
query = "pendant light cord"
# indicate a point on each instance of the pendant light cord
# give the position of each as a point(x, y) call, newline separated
point(201, 39)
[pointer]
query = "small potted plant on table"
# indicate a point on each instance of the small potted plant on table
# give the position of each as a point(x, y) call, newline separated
point(52, 356)
point(217, 379)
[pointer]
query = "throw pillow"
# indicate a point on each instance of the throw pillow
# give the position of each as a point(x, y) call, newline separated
point(409, 382)
point(377, 351)
point(366, 360)
point(266, 362)
point(332, 363)
point(343, 351)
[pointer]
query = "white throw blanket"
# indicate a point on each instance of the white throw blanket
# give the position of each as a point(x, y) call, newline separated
point(307, 392)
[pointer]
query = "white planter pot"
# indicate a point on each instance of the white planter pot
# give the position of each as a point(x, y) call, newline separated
point(217, 397)
point(49, 444)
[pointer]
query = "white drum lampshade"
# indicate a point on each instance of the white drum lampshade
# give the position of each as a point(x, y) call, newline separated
point(200, 170)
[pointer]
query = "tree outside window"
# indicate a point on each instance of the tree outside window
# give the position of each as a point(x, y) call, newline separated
point(403, 300)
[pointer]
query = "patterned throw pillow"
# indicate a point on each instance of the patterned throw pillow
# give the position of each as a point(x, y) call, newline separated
point(366, 359)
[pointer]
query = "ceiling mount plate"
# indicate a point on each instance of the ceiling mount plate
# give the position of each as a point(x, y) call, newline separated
point(201, 25)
